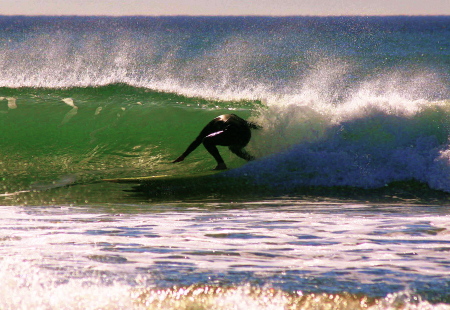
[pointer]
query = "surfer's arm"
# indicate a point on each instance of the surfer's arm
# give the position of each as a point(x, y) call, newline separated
point(190, 148)
point(180, 158)
point(193, 146)
point(209, 128)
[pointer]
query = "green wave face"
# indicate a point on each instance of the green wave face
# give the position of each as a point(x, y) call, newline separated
point(55, 137)
point(110, 131)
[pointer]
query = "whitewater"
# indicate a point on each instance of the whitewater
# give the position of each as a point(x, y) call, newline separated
point(346, 206)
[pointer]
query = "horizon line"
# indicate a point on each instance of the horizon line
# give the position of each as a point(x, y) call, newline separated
point(225, 15)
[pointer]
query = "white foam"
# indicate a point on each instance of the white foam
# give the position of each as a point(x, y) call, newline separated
point(47, 252)
point(375, 136)
point(12, 103)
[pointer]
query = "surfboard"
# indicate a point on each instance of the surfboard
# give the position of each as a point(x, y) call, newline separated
point(196, 185)
point(164, 178)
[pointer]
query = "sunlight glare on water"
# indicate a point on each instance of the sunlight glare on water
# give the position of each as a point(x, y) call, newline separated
point(107, 256)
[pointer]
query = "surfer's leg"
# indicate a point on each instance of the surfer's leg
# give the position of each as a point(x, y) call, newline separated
point(212, 149)
point(210, 142)
point(239, 151)
point(235, 139)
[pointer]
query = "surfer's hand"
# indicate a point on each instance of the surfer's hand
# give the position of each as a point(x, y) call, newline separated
point(181, 158)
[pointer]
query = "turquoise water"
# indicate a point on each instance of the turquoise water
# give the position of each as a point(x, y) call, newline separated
point(346, 205)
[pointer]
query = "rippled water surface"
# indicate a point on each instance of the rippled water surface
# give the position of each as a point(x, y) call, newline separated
point(288, 245)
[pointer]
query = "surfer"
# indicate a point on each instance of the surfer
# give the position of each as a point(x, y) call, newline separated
point(225, 130)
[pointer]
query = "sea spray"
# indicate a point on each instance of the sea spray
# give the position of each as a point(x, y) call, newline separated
point(370, 139)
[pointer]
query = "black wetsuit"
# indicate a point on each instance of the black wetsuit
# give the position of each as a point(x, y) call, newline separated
point(225, 130)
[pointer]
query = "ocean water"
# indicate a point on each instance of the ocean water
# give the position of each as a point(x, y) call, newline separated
point(346, 206)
